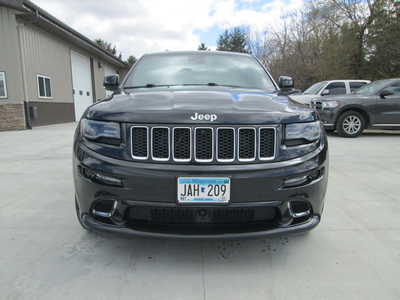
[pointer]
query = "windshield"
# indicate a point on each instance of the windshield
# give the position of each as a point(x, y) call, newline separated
point(372, 88)
point(199, 69)
point(315, 88)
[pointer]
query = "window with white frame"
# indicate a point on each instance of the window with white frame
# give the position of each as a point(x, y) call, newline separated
point(3, 85)
point(44, 86)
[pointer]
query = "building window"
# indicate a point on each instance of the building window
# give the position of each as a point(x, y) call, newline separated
point(3, 85)
point(44, 86)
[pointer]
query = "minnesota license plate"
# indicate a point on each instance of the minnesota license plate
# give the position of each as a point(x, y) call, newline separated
point(204, 189)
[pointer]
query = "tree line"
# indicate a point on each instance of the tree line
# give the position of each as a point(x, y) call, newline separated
point(326, 39)
point(112, 49)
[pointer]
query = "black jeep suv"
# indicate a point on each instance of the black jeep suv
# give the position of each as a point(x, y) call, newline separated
point(199, 144)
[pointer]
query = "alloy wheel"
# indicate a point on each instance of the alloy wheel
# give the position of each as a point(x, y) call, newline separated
point(352, 124)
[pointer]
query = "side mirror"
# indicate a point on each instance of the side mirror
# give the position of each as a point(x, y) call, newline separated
point(325, 92)
point(111, 82)
point(285, 82)
point(385, 93)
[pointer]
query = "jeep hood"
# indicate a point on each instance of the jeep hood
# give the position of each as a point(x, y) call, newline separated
point(177, 105)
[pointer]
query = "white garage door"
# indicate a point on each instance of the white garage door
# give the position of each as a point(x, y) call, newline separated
point(82, 83)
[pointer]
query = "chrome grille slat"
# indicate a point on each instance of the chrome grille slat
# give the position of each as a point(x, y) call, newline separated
point(182, 144)
point(219, 144)
point(160, 141)
point(203, 144)
point(247, 144)
point(140, 142)
point(266, 143)
point(226, 144)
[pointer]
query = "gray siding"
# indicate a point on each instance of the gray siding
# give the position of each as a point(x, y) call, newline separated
point(30, 47)
point(38, 52)
point(45, 54)
point(98, 79)
point(9, 56)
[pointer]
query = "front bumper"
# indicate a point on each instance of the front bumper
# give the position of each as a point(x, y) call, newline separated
point(328, 117)
point(253, 187)
point(95, 225)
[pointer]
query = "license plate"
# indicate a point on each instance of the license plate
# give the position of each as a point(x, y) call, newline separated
point(204, 189)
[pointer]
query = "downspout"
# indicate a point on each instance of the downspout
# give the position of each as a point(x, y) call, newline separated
point(20, 28)
point(93, 78)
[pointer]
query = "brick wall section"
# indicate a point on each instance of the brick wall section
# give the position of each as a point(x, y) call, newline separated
point(12, 117)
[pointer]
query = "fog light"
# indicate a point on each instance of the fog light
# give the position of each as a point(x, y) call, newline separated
point(108, 180)
point(299, 209)
point(314, 175)
point(295, 181)
point(100, 178)
point(105, 208)
point(301, 180)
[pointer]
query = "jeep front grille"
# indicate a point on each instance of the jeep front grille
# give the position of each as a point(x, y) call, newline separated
point(203, 144)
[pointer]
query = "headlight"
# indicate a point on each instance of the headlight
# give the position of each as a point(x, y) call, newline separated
point(300, 133)
point(103, 132)
point(330, 104)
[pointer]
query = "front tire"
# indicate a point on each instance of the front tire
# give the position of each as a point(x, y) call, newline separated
point(330, 130)
point(350, 124)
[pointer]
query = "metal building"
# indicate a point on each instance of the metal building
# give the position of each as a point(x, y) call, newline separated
point(49, 73)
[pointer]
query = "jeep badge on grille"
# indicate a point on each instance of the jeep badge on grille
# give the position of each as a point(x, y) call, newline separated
point(206, 117)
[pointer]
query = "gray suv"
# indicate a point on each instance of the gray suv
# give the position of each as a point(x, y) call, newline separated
point(327, 89)
point(376, 105)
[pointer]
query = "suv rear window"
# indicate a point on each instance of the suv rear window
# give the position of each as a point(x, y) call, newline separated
point(394, 88)
point(356, 85)
point(336, 88)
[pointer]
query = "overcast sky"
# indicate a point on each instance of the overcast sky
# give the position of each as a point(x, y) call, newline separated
point(141, 26)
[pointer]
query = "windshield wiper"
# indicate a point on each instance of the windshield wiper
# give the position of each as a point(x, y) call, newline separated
point(212, 84)
point(148, 85)
point(152, 85)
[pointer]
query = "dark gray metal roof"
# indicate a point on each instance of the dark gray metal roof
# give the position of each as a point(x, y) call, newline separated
point(16, 4)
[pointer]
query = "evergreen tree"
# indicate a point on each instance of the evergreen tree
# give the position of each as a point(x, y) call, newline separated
point(202, 47)
point(234, 40)
point(108, 47)
point(131, 60)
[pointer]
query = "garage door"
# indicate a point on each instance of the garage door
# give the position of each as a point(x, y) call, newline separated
point(82, 83)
